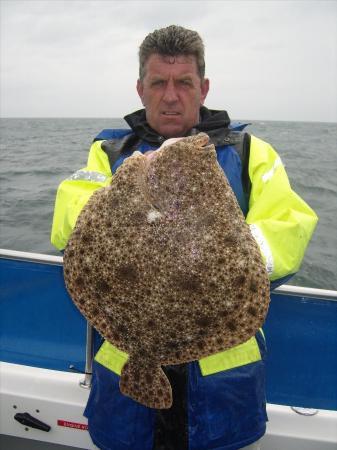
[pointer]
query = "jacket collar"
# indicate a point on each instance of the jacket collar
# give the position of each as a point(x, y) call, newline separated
point(213, 122)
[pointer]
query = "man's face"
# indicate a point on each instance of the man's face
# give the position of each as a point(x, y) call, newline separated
point(172, 93)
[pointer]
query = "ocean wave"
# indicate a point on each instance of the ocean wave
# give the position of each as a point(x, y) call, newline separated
point(39, 153)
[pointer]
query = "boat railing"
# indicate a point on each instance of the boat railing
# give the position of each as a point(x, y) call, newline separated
point(89, 357)
point(31, 257)
point(307, 292)
point(289, 290)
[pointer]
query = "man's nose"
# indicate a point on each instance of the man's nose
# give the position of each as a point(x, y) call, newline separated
point(170, 94)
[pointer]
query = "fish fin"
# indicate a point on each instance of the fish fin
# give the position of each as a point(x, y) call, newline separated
point(146, 384)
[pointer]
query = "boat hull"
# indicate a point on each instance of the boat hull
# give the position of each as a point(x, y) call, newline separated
point(45, 349)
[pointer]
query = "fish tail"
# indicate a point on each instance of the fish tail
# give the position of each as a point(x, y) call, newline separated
point(146, 384)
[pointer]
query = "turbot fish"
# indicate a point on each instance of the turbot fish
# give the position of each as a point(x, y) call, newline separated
point(164, 266)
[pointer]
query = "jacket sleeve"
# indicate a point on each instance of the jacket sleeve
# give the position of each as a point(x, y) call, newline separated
point(280, 221)
point(74, 192)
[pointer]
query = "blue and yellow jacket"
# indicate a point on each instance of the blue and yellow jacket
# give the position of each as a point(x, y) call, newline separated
point(219, 401)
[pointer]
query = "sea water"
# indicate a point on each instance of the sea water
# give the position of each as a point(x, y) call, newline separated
point(37, 154)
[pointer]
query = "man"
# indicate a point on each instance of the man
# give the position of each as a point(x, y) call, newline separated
point(219, 401)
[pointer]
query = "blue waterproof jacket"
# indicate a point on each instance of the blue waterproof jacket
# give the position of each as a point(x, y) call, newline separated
point(219, 402)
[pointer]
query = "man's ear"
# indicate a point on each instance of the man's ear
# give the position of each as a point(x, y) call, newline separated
point(140, 90)
point(204, 89)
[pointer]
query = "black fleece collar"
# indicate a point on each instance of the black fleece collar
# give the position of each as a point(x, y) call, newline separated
point(213, 122)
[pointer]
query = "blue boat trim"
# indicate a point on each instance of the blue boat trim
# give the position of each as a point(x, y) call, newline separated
point(41, 327)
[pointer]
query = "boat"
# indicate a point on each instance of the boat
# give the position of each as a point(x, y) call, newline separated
point(47, 347)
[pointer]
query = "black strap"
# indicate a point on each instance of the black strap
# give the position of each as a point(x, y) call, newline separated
point(241, 142)
point(115, 147)
point(171, 425)
point(243, 149)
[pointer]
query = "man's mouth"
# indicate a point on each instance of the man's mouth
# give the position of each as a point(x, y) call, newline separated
point(170, 113)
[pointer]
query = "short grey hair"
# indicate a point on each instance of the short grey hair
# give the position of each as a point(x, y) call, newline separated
point(172, 41)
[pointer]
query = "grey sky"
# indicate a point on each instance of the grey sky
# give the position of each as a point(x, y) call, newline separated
point(273, 60)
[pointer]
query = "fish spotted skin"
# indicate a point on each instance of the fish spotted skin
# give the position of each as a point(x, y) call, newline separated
point(164, 266)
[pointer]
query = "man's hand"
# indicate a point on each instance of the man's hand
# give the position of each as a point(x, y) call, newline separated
point(151, 153)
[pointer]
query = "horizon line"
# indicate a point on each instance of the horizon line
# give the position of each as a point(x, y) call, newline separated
point(121, 118)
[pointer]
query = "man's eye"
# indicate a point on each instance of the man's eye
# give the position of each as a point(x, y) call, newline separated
point(186, 82)
point(157, 83)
